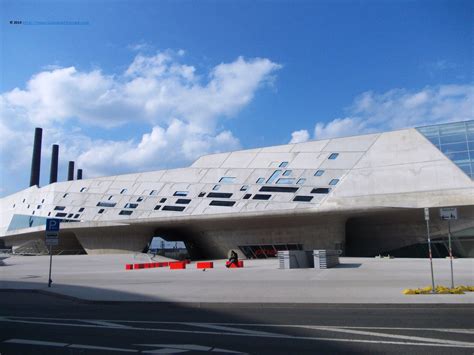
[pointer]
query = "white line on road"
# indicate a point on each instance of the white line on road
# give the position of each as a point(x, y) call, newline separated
point(105, 324)
point(93, 347)
point(35, 342)
point(230, 329)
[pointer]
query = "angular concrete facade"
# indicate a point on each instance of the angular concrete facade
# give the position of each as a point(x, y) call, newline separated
point(362, 194)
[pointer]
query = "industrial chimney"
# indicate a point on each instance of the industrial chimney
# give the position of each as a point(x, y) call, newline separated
point(79, 174)
point(53, 175)
point(36, 159)
point(70, 171)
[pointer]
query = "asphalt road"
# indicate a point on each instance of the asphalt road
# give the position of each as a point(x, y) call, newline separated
point(35, 323)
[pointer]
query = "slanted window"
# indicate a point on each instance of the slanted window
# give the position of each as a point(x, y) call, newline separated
point(101, 211)
point(49, 214)
point(247, 196)
point(333, 181)
point(261, 197)
point(76, 215)
point(227, 180)
point(202, 194)
point(42, 201)
point(278, 189)
point(260, 180)
point(216, 187)
point(83, 189)
point(219, 194)
point(33, 212)
point(274, 176)
point(65, 195)
point(37, 207)
point(301, 198)
point(333, 156)
point(81, 209)
point(28, 206)
point(183, 201)
point(283, 164)
point(222, 203)
point(319, 173)
point(110, 197)
point(24, 200)
point(61, 214)
point(287, 172)
point(244, 188)
point(157, 207)
point(173, 208)
point(125, 213)
point(301, 181)
point(285, 181)
point(140, 199)
point(153, 192)
point(123, 191)
point(106, 204)
point(320, 190)
point(131, 205)
point(180, 193)
point(163, 200)
point(59, 208)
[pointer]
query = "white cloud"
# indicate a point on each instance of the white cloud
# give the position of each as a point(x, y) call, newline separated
point(299, 136)
point(181, 108)
point(399, 108)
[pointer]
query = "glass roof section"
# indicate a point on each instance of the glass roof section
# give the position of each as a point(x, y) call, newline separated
point(456, 141)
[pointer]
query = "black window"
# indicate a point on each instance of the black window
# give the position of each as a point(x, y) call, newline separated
point(61, 214)
point(247, 196)
point(278, 189)
point(163, 200)
point(320, 190)
point(140, 199)
point(49, 213)
point(183, 201)
point(65, 195)
point(81, 209)
point(219, 194)
point(101, 211)
point(244, 188)
point(83, 189)
point(202, 194)
point(174, 208)
point(37, 207)
point(157, 207)
point(125, 213)
point(110, 197)
point(69, 215)
point(76, 215)
point(123, 191)
point(333, 156)
point(261, 197)
point(222, 203)
point(59, 208)
point(180, 193)
point(131, 205)
point(303, 198)
point(106, 204)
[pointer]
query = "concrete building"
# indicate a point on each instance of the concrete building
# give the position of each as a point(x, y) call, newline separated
point(363, 194)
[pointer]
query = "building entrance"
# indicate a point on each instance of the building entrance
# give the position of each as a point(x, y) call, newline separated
point(263, 251)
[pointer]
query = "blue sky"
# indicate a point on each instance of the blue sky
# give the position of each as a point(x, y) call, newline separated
point(145, 85)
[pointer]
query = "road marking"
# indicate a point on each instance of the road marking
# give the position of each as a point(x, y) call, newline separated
point(230, 329)
point(105, 324)
point(178, 348)
point(35, 342)
point(282, 336)
point(93, 347)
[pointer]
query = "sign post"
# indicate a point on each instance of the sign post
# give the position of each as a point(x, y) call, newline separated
point(427, 219)
point(449, 214)
point(52, 239)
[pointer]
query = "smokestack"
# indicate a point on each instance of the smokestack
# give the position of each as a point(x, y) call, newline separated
point(79, 174)
point(70, 171)
point(53, 175)
point(36, 159)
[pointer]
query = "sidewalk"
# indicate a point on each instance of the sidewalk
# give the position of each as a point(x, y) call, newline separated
point(356, 280)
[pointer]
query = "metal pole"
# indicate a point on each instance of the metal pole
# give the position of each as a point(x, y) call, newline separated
point(431, 257)
point(450, 253)
point(50, 264)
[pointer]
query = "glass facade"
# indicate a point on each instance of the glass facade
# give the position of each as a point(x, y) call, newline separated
point(456, 141)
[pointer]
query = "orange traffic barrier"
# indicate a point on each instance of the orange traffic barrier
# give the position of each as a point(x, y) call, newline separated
point(177, 265)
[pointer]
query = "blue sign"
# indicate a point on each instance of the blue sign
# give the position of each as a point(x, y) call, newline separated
point(52, 225)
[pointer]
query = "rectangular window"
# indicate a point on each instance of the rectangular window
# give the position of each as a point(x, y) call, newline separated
point(173, 208)
point(283, 164)
point(157, 207)
point(261, 197)
point(106, 204)
point(153, 192)
point(181, 193)
point(61, 214)
point(101, 211)
point(301, 181)
point(69, 215)
point(76, 215)
point(219, 194)
point(125, 213)
point(247, 196)
point(123, 191)
point(303, 198)
point(140, 199)
point(59, 208)
point(37, 207)
point(333, 156)
point(183, 201)
point(110, 197)
point(287, 172)
point(285, 181)
point(227, 180)
point(278, 189)
point(244, 188)
point(81, 209)
point(163, 200)
point(84, 189)
point(65, 195)
point(320, 190)
point(216, 187)
point(202, 194)
point(319, 173)
point(274, 176)
point(260, 180)
point(333, 181)
point(222, 203)
point(131, 205)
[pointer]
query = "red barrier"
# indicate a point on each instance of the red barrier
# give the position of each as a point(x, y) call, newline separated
point(177, 265)
point(137, 266)
point(128, 266)
point(239, 264)
point(205, 265)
